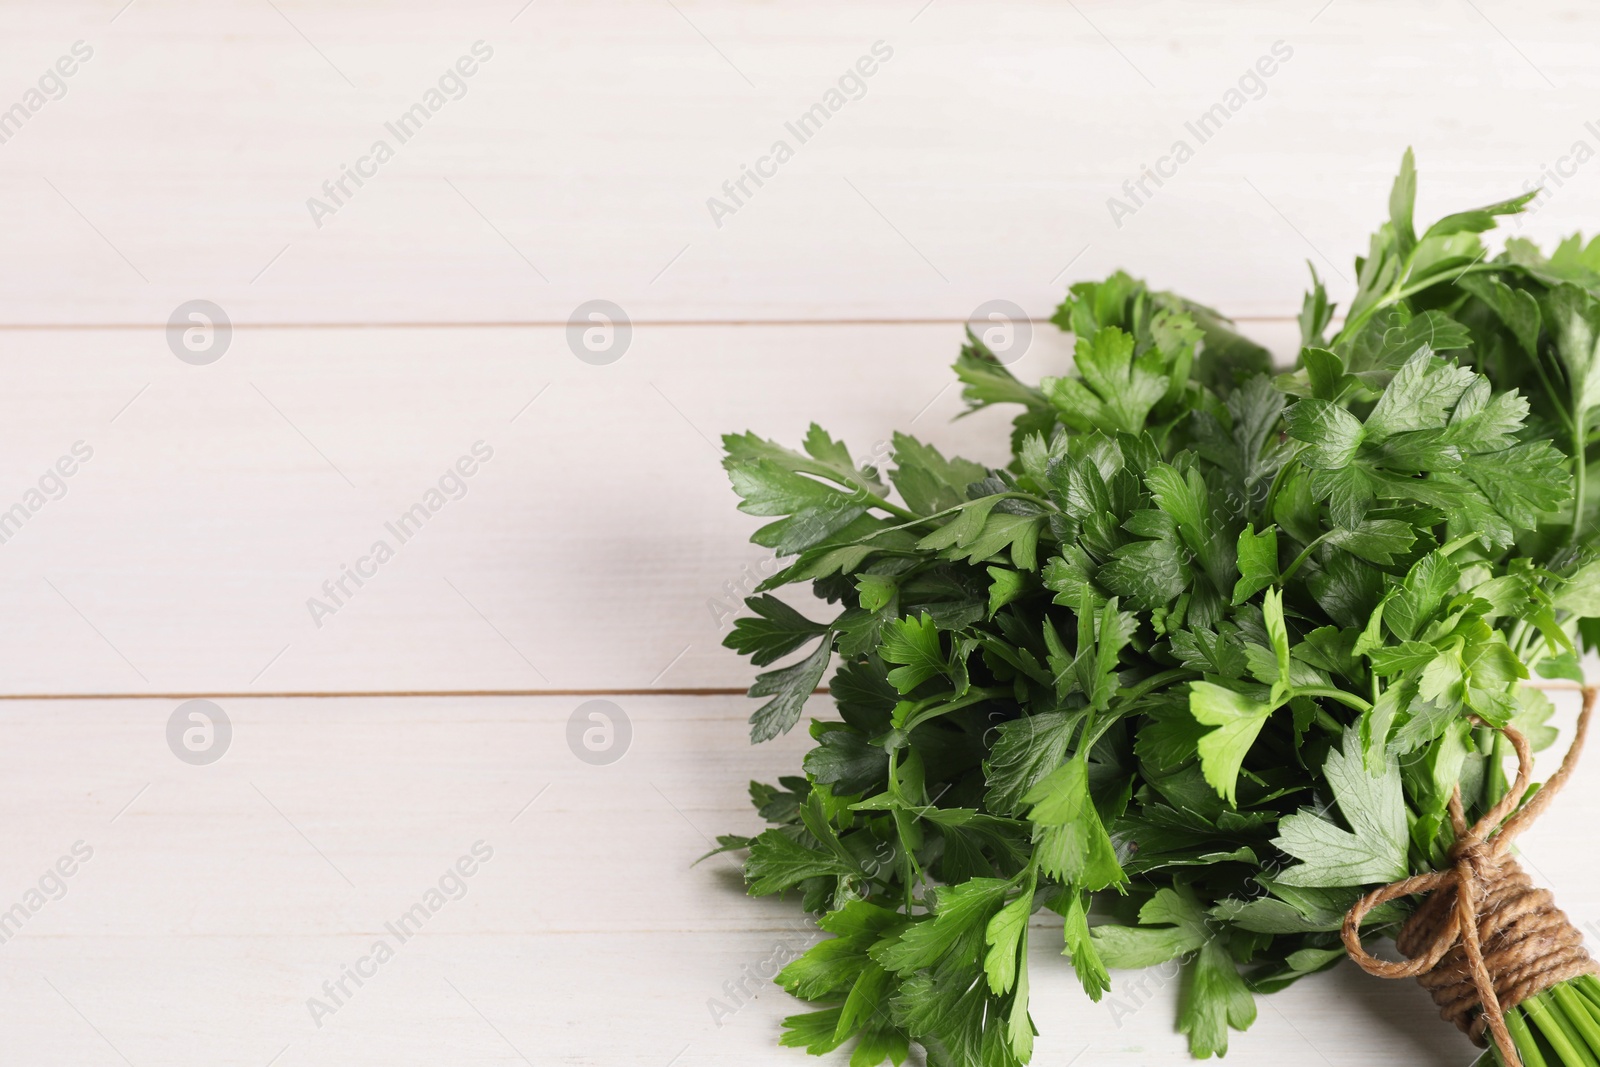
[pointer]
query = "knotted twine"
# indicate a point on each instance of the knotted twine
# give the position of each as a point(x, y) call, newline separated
point(1485, 939)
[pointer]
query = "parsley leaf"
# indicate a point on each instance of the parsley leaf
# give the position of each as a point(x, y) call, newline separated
point(789, 687)
point(1373, 849)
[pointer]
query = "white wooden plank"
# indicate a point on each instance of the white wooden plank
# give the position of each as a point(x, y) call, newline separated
point(599, 998)
point(599, 547)
point(589, 550)
point(204, 920)
point(978, 164)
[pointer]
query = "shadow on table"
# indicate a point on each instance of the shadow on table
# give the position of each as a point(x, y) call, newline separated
point(1394, 1016)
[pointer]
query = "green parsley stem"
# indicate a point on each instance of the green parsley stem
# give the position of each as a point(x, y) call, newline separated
point(912, 519)
point(933, 711)
point(1557, 401)
point(896, 510)
point(1328, 692)
point(1304, 555)
point(914, 874)
point(1578, 1013)
point(1277, 480)
point(1095, 727)
point(864, 493)
point(1553, 1028)
point(1580, 464)
point(1155, 681)
point(1399, 293)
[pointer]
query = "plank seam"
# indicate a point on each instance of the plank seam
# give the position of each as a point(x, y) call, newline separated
point(513, 324)
point(710, 691)
point(389, 693)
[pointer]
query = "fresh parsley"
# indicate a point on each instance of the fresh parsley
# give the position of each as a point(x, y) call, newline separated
point(1203, 662)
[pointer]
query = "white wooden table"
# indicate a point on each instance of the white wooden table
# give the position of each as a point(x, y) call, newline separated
point(595, 554)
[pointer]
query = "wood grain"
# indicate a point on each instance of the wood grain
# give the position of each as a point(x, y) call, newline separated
point(979, 162)
point(232, 891)
point(597, 553)
point(599, 547)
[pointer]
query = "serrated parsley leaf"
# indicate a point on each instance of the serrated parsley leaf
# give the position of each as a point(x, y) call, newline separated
point(1079, 945)
point(1148, 573)
point(815, 1031)
point(1238, 720)
point(825, 457)
point(1523, 481)
point(1004, 936)
point(1218, 998)
point(774, 632)
point(814, 509)
point(1024, 751)
point(1070, 840)
point(1187, 500)
point(954, 932)
point(1420, 397)
point(913, 643)
point(927, 481)
point(1171, 923)
point(1374, 540)
point(789, 687)
point(1373, 849)
point(1574, 319)
point(1113, 390)
point(778, 862)
point(1211, 652)
point(1331, 433)
point(987, 381)
point(1257, 560)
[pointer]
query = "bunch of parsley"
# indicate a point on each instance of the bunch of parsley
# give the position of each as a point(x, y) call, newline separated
point(1206, 658)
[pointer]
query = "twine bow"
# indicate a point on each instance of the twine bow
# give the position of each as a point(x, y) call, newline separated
point(1477, 860)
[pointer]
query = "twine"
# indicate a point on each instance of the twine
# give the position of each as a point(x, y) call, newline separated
point(1485, 939)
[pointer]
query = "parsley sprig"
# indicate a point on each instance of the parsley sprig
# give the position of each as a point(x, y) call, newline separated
point(1205, 660)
